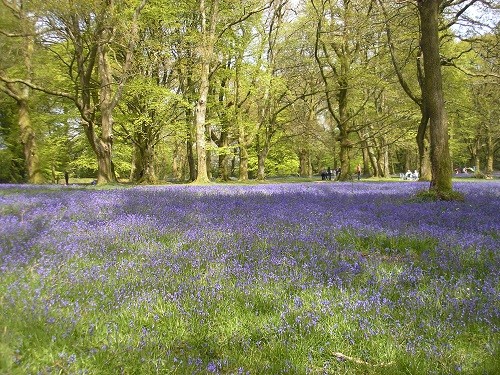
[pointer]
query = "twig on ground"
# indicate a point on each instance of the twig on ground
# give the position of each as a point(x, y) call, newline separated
point(360, 361)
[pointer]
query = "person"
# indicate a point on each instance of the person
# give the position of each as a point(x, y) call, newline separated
point(66, 177)
point(358, 171)
point(323, 175)
point(408, 174)
point(329, 173)
point(415, 175)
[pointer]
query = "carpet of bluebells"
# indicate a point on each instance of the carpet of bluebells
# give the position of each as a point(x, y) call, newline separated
point(302, 278)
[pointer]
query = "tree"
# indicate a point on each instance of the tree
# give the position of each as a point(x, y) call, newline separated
point(24, 31)
point(429, 11)
point(343, 38)
point(80, 37)
point(216, 18)
point(401, 60)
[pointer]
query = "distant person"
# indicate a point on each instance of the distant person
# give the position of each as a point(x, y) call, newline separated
point(415, 175)
point(66, 177)
point(408, 175)
point(358, 171)
point(329, 173)
point(323, 175)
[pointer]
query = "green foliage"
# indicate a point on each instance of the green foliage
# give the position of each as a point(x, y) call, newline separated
point(432, 195)
point(12, 167)
point(282, 161)
point(262, 83)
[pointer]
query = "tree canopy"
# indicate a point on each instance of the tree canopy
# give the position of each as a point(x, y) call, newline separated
point(153, 90)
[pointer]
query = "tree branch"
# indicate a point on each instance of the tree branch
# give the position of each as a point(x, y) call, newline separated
point(31, 85)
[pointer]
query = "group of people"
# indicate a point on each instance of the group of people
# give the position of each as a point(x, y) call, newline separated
point(328, 173)
point(465, 170)
point(409, 175)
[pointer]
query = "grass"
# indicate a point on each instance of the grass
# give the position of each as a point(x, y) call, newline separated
point(147, 299)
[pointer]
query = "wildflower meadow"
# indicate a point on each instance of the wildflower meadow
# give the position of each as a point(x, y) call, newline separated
point(292, 278)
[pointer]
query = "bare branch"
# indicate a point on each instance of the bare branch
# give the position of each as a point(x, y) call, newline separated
point(16, 35)
point(471, 74)
point(459, 12)
point(61, 94)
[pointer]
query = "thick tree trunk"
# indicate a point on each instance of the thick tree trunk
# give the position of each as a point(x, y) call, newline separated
point(103, 151)
point(149, 166)
point(434, 99)
point(243, 175)
point(179, 162)
point(261, 167)
point(103, 144)
point(28, 142)
point(373, 160)
point(385, 159)
point(305, 163)
point(477, 163)
point(367, 167)
point(206, 49)
point(21, 95)
point(143, 168)
point(105, 169)
point(135, 169)
point(345, 147)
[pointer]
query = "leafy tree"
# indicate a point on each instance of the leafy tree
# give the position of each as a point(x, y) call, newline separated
point(19, 26)
point(343, 42)
point(433, 97)
point(86, 32)
point(11, 153)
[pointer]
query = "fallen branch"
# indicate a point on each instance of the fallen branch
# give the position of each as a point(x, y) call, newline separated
point(360, 361)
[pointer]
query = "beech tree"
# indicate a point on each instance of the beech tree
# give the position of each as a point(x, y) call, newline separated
point(263, 85)
point(430, 12)
point(433, 97)
point(16, 14)
point(343, 35)
point(87, 31)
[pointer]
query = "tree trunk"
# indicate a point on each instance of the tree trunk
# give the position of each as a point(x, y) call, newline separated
point(305, 163)
point(179, 161)
point(490, 152)
point(345, 144)
point(149, 166)
point(366, 159)
point(104, 143)
point(385, 159)
point(200, 114)
point(206, 49)
point(423, 146)
point(21, 96)
point(243, 175)
point(136, 164)
point(345, 147)
point(143, 168)
point(261, 169)
point(209, 164)
point(224, 157)
point(434, 99)
point(28, 142)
